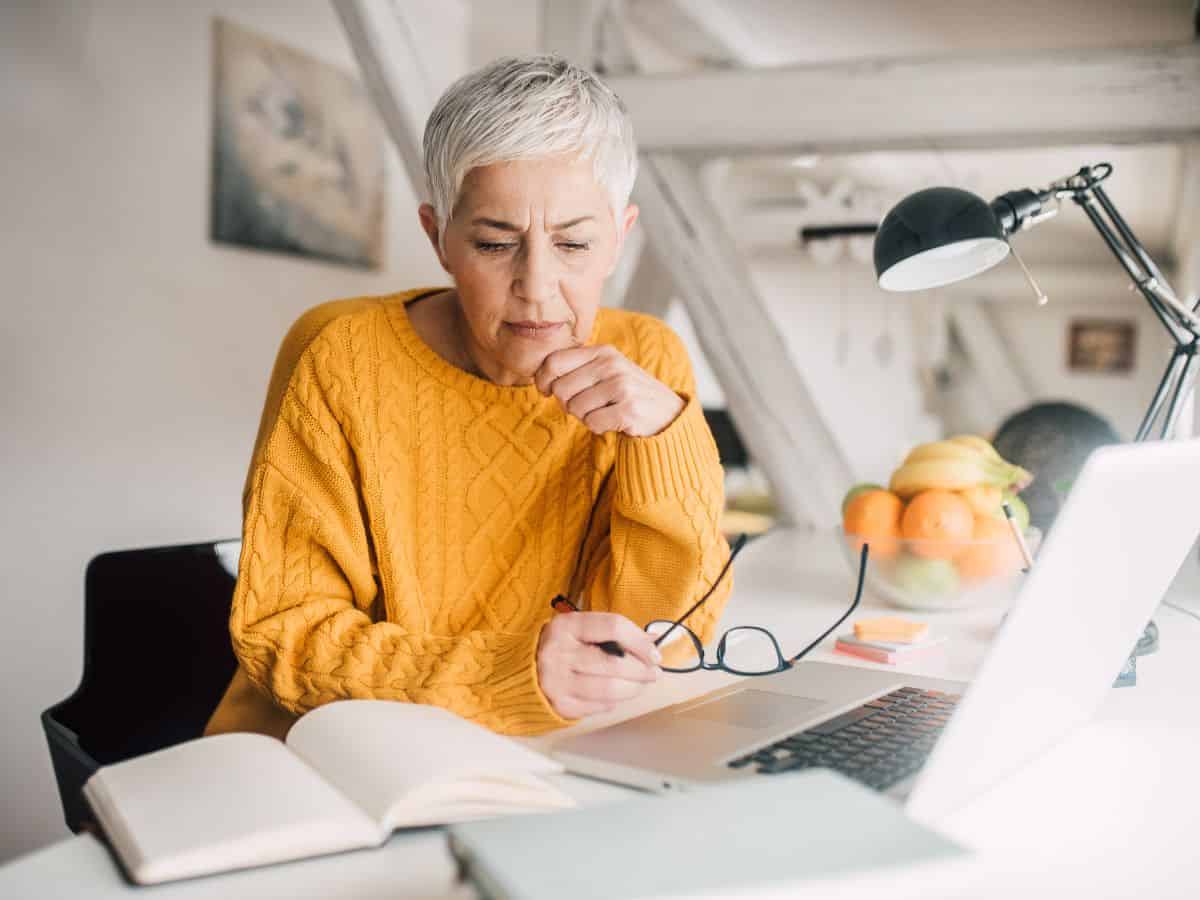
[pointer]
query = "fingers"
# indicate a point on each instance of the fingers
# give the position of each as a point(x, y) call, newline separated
point(572, 708)
point(560, 362)
point(606, 419)
point(598, 689)
point(597, 627)
point(577, 677)
point(604, 393)
point(579, 380)
point(594, 661)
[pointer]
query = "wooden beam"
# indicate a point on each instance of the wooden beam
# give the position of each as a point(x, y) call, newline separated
point(403, 88)
point(1075, 96)
point(1005, 386)
point(769, 399)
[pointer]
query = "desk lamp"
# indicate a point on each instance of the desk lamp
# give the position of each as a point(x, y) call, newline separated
point(941, 235)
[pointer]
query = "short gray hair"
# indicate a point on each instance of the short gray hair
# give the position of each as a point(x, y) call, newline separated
point(526, 108)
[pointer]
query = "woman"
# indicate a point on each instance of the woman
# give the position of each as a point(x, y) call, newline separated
point(433, 467)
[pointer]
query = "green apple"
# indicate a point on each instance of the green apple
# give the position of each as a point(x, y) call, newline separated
point(1019, 509)
point(925, 577)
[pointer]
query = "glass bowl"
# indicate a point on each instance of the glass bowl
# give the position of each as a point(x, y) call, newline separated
point(939, 575)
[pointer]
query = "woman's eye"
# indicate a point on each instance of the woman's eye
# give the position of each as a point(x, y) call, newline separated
point(573, 246)
point(489, 247)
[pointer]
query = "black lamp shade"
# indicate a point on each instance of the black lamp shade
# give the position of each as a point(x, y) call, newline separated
point(934, 237)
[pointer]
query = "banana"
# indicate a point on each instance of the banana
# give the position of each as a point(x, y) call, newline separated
point(949, 449)
point(983, 447)
point(945, 474)
point(985, 500)
point(958, 454)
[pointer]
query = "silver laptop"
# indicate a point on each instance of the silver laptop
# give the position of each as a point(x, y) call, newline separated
point(1115, 547)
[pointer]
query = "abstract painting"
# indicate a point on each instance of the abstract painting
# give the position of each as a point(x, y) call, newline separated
point(298, 163)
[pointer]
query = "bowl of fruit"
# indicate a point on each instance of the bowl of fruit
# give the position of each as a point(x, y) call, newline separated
point(938, 534)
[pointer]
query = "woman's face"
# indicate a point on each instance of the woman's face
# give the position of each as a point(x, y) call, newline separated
point(529, 245)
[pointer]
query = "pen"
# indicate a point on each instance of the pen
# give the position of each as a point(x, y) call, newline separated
point(563, 605)
point(1016, 530)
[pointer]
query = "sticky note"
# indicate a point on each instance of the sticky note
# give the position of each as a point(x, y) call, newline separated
point(890, 628)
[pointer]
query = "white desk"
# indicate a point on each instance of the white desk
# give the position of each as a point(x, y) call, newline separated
point(1113, 811)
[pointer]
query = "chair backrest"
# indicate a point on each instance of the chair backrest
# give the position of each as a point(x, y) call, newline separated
point(156, 659)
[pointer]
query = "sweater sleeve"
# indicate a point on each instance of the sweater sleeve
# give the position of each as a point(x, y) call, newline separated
point(664, 547)
point(306, 613)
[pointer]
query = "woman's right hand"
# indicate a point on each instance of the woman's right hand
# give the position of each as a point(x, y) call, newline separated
point(578, 678)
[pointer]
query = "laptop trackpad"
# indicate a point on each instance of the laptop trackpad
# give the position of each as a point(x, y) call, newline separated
point(755, 709)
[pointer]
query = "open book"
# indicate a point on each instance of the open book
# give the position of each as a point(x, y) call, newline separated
point(349, 773)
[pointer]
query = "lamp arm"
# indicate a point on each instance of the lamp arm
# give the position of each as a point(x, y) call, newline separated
point(1183, 323)
point(1144, 282)
point(1024, 208)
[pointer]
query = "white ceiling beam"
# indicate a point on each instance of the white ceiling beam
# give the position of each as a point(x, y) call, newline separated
point(768, 398)
point(1001, 378)
point(650, 288)
point(1120, 95)
point(401, 84)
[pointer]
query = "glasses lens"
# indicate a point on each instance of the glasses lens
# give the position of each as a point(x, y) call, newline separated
point(682, 651)
point(750, 651)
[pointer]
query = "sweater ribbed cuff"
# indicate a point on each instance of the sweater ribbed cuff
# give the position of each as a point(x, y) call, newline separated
point(517, 698)
point(673, 464)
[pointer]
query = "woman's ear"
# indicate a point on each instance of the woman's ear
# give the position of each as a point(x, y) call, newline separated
point(627, 219)
point(429, 225)
point(631, 214)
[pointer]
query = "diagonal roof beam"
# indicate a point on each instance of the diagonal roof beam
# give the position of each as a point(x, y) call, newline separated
point(403, 88)
point(767, 396)
point(1122, 95)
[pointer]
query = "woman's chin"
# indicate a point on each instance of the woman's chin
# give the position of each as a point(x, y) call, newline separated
point(525, 361)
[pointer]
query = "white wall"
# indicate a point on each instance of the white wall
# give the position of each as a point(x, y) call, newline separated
point(1040, 336)
point(873, 406)
point(134, 353)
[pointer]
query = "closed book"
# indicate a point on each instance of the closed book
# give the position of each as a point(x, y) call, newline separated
point(732, 839)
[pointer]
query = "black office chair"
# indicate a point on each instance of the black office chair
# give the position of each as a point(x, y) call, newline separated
point(156, 660)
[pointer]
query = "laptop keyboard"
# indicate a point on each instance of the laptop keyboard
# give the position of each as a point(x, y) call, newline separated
point(879, 744)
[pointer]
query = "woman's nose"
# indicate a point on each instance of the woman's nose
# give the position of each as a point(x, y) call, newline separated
point(536, 275)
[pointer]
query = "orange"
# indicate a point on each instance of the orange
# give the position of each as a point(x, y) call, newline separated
point(937, 521)
point(996, 554)
point(873, 517)
point(984, 500)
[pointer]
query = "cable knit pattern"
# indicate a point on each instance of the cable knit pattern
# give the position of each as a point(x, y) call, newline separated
point(407, 523)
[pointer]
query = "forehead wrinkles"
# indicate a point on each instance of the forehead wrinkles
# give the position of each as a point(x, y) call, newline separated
point(531, 192)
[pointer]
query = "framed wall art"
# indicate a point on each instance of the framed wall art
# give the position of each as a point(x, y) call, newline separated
point(298, 157)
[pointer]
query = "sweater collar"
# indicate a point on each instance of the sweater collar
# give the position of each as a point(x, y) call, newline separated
point(450, 375)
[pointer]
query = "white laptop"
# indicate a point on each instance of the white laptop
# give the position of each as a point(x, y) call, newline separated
point(1130, 519)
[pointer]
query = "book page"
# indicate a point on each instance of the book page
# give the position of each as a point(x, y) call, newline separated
point(218, 803)
point(381, 753)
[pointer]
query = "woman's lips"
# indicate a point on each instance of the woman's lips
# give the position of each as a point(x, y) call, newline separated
point(537, 331)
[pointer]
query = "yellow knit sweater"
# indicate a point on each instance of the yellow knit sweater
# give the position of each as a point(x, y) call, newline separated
point(407, 523)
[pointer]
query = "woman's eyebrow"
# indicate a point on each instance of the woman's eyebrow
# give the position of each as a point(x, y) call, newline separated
point(509, 226)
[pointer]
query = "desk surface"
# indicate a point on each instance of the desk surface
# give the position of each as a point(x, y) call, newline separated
point(1109, 812)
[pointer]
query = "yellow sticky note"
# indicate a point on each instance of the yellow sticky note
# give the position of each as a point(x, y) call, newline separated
point(890, 628)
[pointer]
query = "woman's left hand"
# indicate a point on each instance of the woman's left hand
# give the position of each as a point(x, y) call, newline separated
point(605, 390)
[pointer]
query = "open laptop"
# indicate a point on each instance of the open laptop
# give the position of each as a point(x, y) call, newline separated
point(1113, 551)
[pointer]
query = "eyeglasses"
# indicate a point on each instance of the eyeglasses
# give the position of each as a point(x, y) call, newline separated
point(746, 649)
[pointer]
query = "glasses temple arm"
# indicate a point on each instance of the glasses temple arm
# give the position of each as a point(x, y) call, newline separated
point(862, 571)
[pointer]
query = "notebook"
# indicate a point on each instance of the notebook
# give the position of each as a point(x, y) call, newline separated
point(731, 838)
point(349, 774)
